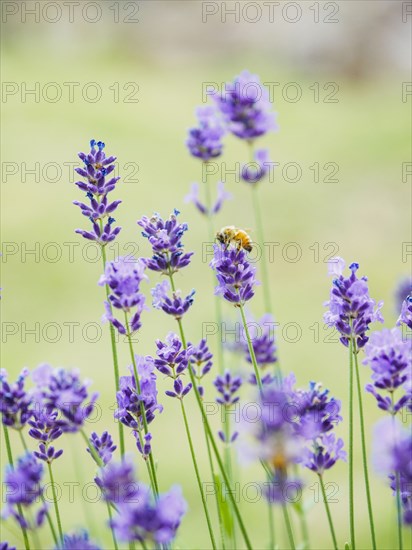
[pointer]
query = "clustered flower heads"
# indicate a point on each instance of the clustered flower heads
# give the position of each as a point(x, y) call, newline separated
point(351, 309)
point(97, 184)
point(235, 274)
point(405, 317)
point(14, 400)
point(173, 361)
point(123, 277)
point(139, 516)
point(390, 358)
point(205, 141)
point(245, 107)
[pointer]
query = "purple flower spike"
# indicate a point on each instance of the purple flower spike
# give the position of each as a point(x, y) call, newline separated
point(323, 454)
point(165, 238)
point(205, 141)
point(263, 342)
point(221, 197)
point(235, 274)
point(254, 172)
point(103, 445)
point(201, 361)
point(351, 309)
point(228, 386)
point(405, 317)
point(23, 488)
point(392, 453)
point(146, 449)
point(63, 391)
point(97, 184)
point(143, 519)
point(246, 108)
point(175, 305)
point(6, 546)
point(129, 399)
point(117, 482)
point(124, 276)
point(402, 291)
point(77, 541)
point(173, 360)
point(390, 359)
point(15, 402)
point(46, 427)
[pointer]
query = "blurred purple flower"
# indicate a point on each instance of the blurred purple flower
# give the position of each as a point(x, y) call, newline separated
point(23, 488)
point(221, 197)
point(77, 541)
point(245, 106)
point(402, 291)
point(405, 317)
point(390, 359)
point(205, 141)
point(117, 482)
point(254, 172)
point(351, 309)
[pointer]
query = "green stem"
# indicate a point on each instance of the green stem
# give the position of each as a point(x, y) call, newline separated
point(214, 447)
point(56, 505)
point(217, 495)
point(325, 500)
point(109, 511)
point(364, 453)
point(228, 461)
point(260, 233)
point(288, 526)
point(114, 354)
point(218, 305)
point(272, 538)
point(199, 481)
point(397, 481)
point(251, 350)
point(11, 462)
point(150, 465)
point(351, 499)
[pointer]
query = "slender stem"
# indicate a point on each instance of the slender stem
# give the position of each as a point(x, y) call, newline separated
point(288, 526)
point(150, 465)
point(114, 354)
point(11, 462)
point(351, 499)
point(199, 481)
point(214, 447)
point(271, 509)
point(398, 493)
point(260, 233)
point(251, 350)
point(109, 511)
point(218, 304)
point(364, 453)
point(92, 450)
point(56, 505)
point(228, 461)
point(215, 477)
point(325, 500)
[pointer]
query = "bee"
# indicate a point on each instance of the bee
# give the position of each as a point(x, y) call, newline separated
point(232, 234)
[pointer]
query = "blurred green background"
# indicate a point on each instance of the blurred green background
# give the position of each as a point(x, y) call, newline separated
point(169, 53)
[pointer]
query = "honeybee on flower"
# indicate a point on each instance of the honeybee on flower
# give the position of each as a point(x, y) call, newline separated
point(231, 234)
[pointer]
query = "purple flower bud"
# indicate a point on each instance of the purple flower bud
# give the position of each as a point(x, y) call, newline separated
point(15, 402)
point(205, 141)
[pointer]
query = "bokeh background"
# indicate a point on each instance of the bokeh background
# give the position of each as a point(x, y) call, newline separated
point(162, 53)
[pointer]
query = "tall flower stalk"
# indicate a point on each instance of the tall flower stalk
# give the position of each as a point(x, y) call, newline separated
point(97, 183)
point(351, 311)
point(169, 256)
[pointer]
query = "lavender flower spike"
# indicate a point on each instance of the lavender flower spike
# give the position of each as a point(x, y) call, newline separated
point(15, 402)
point(390, 359)
point(235, 274)
point(254, 172)
point(24, 489)
point(103, 445)
point(172, 361)
point(405, 317)
point(324, 453)
point(402, 291)
point(77, 541)
point(165, 238)
point(246, 108)
point(176, 305)
point(351, 309)
point(205, 141)
point(97, 187)
point(124, 276)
